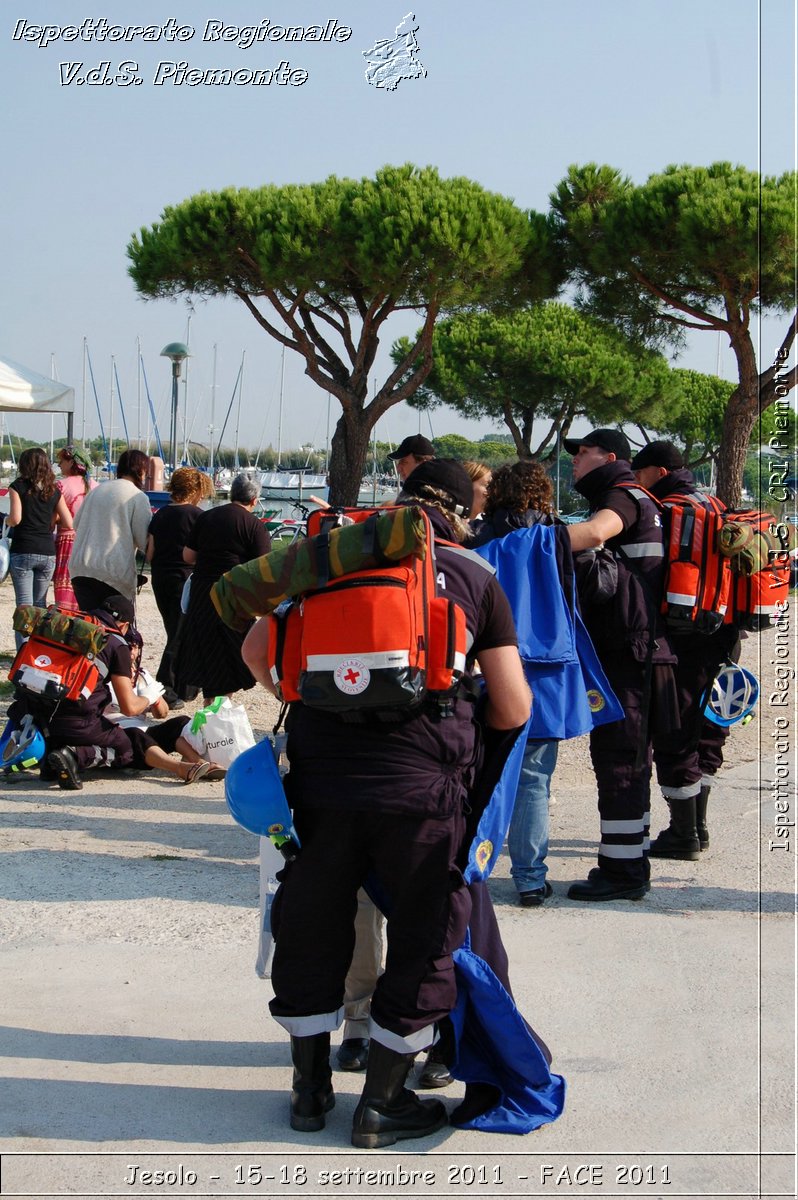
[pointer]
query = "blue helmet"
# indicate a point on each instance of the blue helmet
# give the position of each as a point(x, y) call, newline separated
point(733, 697)
point(254, 794)
point(21, 746)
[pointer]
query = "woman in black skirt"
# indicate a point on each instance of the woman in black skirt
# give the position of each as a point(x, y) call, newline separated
point(209, 654)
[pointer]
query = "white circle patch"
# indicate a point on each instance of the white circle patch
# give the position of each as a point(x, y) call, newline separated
point(352, 676)
point(42, 660)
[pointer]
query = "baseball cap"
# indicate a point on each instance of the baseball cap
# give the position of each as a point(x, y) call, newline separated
point(611, 440)
point(658, 454)
point(417, 445)
point(447, 476)
point(119, 607)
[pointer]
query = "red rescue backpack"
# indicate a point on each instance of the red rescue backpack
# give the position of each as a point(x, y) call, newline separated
point(722, 566)
point(697, 581)
point(59, 661)
point(377, 641)
point(758, 547)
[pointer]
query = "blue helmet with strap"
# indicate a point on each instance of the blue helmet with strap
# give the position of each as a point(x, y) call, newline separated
point(734, 695)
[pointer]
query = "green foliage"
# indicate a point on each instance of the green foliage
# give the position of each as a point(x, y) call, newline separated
point(406, 236)
point(692, 248)
point(544, 361)
point(680, 249)
point(322, 266)
point(694, 416)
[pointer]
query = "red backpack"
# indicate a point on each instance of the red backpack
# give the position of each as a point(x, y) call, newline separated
point(758, 548)
point(379, 640)
point(698, 579)
point(697, 583)
point(59, 661)
point(722, 566)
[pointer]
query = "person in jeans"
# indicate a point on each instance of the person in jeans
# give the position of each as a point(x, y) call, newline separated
point(519, 496)
point(36, 507)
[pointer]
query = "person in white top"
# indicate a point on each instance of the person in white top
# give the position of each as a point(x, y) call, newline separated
point(111, 525)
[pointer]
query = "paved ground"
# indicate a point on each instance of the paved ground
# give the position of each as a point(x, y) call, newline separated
point(134, 1034)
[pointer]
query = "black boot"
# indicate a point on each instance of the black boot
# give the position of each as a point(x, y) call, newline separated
point(680, 839)
point(701, 816)
point(388, 1111)
point(311, 1094)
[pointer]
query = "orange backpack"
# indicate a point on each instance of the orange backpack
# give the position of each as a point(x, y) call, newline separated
point(376, 641)
point(59, 661)
point(698, 580)
point(759, 552)
point(722, 566)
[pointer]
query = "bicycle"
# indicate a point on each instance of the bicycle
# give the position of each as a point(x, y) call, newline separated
point(288, 530)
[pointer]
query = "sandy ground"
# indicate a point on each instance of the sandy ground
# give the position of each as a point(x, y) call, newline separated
point(133, 1023)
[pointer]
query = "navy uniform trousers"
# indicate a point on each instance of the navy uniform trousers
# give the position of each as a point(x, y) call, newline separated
point(624, 788)
point(412, 863)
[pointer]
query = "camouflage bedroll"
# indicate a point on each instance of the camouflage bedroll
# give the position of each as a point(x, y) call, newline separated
point(750, 548)
point(256, 588)
point(87, 637)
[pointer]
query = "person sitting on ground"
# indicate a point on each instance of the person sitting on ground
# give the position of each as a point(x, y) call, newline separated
point(80, 736)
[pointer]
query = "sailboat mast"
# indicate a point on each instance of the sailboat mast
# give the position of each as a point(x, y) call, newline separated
point(238, 410)
point(83, 429)
point(213, 409)
point(111, 421)
point(280, 417)
point(138, 392)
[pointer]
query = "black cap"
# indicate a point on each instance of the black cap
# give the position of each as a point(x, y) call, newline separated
point(611, 440)
point(447, 476)
point(659, 454)
point(418, 445)
point(119, 607)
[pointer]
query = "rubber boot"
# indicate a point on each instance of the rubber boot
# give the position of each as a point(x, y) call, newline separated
point(680, 839)
point(388, 1111)
point(311, 1093)
point(701, 816)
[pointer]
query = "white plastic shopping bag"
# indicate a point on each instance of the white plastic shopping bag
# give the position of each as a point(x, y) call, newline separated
point(220, 731)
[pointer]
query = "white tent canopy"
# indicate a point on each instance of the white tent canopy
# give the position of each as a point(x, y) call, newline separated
point(22, 390)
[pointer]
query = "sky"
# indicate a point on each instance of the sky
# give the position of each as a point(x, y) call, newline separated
point(515, 92)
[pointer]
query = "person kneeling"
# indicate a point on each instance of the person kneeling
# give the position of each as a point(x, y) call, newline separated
point(80, 736)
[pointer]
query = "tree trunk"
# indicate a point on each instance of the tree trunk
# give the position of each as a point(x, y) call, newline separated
point(348, 453)
point(738, 423)
point(739, 419)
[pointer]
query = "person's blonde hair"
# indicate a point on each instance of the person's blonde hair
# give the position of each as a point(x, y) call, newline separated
point(476, 470)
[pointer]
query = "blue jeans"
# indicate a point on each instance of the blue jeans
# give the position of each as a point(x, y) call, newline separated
point(31, 575)
point(528, 836)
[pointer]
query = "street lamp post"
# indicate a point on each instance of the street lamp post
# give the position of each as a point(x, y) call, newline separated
point(177, 352)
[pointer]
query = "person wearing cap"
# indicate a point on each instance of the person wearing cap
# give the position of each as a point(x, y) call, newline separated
point(79, 735)
point(387, 801)
point(411, 453)
point(687, 759)
point(627, 632)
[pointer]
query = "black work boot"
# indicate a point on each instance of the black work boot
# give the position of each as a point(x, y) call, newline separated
point(680, 839)
point(388, 1111)
point(64, 766)
point(701, 816)
point(311, 1093)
